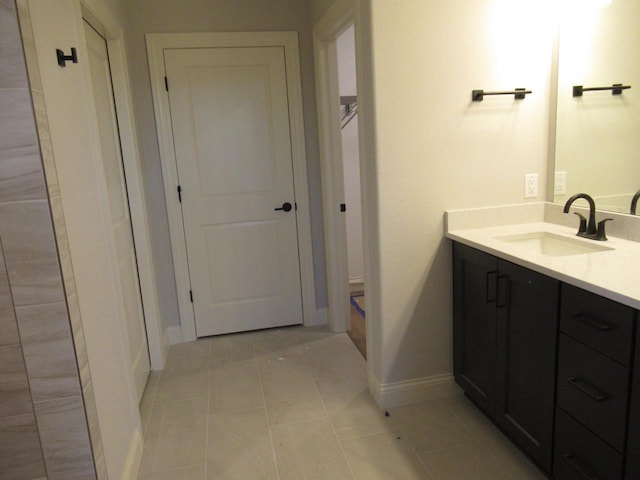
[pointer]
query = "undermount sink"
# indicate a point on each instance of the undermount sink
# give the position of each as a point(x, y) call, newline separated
point(552, 244)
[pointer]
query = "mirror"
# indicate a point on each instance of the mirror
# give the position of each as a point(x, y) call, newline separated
point(598, 133)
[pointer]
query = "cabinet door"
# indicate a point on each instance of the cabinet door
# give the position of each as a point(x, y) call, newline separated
point(474, 324)
point(527, 312)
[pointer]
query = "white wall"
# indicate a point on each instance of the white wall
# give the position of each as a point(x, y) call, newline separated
point(319, 8)
point(430, 149)
point(166, 16)
point(345, 45)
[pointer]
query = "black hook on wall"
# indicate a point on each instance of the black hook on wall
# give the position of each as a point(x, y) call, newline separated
point(63, 59)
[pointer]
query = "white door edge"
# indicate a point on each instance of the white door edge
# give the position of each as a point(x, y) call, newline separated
point(156, 44)
point(156, 337)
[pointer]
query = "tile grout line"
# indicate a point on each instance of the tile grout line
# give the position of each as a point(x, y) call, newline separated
point(480, 442)
point(415, 451)
point(206, 442)
point(326, 410)
point(266, 413)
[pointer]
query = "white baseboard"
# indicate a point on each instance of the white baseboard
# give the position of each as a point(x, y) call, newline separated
point(388, 395)
point(134, 457)
point(174, 335)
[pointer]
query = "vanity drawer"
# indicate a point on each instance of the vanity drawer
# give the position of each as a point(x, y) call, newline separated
point(594, 390)
point(596, 321)
point(580, 455)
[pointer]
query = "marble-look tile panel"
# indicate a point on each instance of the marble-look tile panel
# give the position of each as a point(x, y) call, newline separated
point(65, 439)
point(17, 118)
point(48, 351)
point(14, 386)
point(21, 176)
point(8, 326)
point(30, 253)
point(20, 455)
point(28, 44)
point(46, 145)
point(11, 59)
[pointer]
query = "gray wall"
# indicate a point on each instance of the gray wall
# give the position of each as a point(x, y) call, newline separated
point(43, 428)
point(169, 16)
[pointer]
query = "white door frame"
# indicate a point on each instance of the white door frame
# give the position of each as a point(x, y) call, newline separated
point(95, 13)
point(339, 17)
point(156, 43)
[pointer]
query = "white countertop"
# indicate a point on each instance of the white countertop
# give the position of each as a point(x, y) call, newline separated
point(614, 274)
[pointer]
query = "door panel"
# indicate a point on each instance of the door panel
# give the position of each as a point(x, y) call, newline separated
point(230, 120)
point(527, 338)
point(121, 231)
point(474, 313)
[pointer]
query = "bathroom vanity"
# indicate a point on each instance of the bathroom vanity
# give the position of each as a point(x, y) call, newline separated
point(547, 348)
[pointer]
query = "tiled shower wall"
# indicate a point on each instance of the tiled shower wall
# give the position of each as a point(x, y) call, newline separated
point(43, 425)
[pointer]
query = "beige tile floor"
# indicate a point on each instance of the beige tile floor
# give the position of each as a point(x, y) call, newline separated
point(293, 404)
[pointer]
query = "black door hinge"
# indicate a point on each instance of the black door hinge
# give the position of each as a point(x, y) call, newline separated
point(166, 84)
point(343, 207)
point(191, 295)
point(179, 193)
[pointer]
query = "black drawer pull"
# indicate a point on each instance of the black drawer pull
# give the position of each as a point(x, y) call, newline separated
point(578, 466)
point(588, 389)
point(591, 322)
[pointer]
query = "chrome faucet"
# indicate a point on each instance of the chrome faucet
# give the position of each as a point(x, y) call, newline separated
point(634, 203)
point(587, 228)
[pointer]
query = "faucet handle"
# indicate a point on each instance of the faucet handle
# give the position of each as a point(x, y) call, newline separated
point(600, 234)
point(583, 223)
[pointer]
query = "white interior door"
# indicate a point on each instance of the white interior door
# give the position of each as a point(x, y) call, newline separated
point(230, 120)
point(118, 207)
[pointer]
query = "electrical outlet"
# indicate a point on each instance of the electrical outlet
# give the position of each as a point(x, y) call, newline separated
point(531, 185)
point(560, 184)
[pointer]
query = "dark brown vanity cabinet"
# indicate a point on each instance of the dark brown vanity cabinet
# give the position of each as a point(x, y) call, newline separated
point(595, 354)
point(555, 366)
point(633, 443)
point(505, 332)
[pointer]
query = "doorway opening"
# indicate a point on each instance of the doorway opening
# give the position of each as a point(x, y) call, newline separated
point(346, 65)
point(336, 44)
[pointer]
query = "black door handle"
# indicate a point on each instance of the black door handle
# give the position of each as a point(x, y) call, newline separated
point(286, 206)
